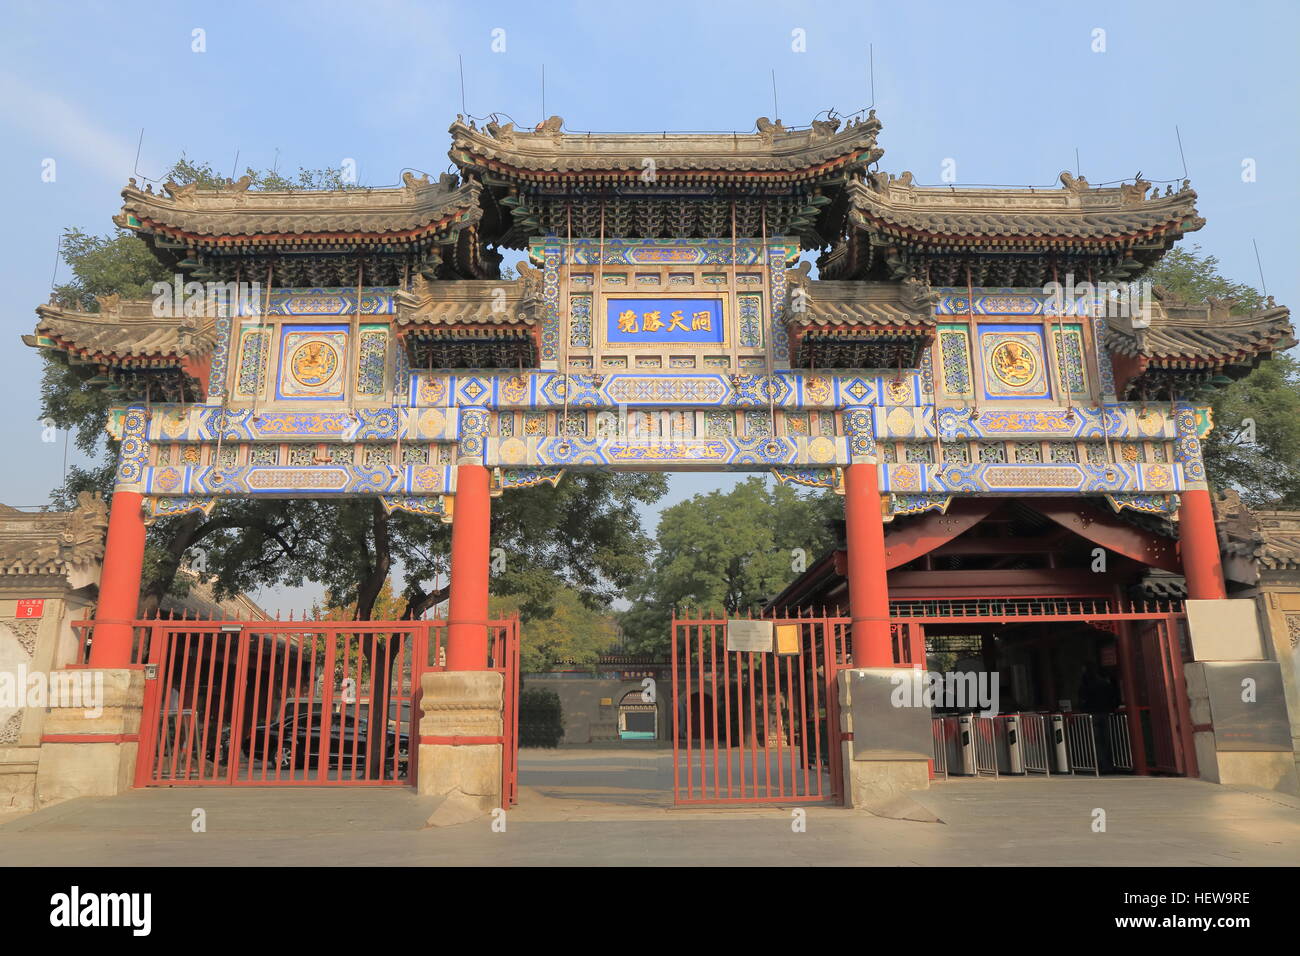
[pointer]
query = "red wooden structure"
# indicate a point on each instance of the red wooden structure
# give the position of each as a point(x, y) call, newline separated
point(274, 703)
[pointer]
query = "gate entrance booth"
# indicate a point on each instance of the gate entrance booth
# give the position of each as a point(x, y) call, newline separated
point(365, 343)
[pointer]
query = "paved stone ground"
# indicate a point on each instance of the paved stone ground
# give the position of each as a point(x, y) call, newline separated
point(592, 807)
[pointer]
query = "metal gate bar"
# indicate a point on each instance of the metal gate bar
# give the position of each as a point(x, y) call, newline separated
point(1121, 747)
point(939, 742)
point(320, 703)
point(750, 726)
point(1034, 745)
point(1081, 743)
point(986, 747)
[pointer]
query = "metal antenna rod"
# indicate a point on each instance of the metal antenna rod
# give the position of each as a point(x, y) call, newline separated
point(138, 144)
point(1181, 155)
point(461, 60)
point(1260, 265)
point(871, 60)
point(776, 109)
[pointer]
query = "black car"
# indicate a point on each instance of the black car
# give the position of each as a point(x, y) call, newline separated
point(300, 744)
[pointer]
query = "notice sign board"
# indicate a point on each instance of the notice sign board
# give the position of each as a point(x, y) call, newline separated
point(30, 607)
point(753, 636)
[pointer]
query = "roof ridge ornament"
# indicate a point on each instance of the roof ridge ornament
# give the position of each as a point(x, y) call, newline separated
point(1075, 184)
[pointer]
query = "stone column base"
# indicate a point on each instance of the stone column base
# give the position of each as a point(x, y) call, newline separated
point(89, 750)
point(887, 750)
point(18, 778)
point(461, 726)
point(875, 780)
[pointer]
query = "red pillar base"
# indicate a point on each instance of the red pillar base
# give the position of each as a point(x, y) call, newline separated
point(467, 613)
point(868, 583)
point(119, 582)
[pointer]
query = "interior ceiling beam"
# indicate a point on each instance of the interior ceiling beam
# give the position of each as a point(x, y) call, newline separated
point(1105, 529)
point(932, 530)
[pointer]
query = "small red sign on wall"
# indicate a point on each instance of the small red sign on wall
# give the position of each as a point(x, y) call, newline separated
point(31, 607)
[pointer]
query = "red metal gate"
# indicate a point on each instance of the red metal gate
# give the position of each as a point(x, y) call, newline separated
point(754, 726)
point(271, 703)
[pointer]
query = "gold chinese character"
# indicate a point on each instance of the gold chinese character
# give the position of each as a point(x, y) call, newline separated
point(678, 322)
point(650, 322)
point(702, 321)
point(627, 321)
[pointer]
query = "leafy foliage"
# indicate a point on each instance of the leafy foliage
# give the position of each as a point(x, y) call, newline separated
point(728, 551)
point(1266, 471)
point(541, 718)
point(185, 171)
point(571, 633)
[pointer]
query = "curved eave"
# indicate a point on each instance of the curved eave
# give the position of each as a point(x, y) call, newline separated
point(664, 173)
point(404, 237)
point(1012, 242)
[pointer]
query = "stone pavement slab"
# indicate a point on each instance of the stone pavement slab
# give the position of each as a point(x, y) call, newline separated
point(615, 808)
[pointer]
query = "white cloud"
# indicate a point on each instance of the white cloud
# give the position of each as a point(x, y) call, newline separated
point(64, 131)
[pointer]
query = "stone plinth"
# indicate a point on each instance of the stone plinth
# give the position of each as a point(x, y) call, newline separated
point(461, 726)
point(886, 752)
point(90, 750)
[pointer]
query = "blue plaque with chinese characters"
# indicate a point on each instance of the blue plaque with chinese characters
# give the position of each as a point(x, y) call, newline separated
point(664, 321)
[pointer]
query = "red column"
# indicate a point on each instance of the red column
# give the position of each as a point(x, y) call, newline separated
point(467, 638)
point(119, 582)
point(868, 585)
point(1199, 542)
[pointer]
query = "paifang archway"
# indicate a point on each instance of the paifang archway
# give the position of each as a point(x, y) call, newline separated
point(363, 343)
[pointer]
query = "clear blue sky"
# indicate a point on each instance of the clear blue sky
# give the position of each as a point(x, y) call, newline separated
point(1008, 90)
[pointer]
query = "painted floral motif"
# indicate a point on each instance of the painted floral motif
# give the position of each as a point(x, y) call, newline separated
point(1069, 358)
point(750, 308)
point(252, 361)
point(580, 321)
point(1028, 451)
point(373, 352)
point(954, 348)
point(1064, 451)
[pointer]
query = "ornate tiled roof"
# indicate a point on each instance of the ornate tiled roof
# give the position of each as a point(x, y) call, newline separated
point(1004, 236)
point(855, 324)
point(471, 303)
point(64, 543)
point(1075, 213)
point(1268, 539)
point(121, 334)
point(133, 351)
point(824, 303)
point(547, 152)
point(472, 323)
point(1184, 335)
point(236, 215)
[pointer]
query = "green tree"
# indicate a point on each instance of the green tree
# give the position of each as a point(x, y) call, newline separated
point(572, 633)
point(1265, 470)
point(729, 552)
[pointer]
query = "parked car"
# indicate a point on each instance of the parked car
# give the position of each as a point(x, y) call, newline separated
point(300, 745)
